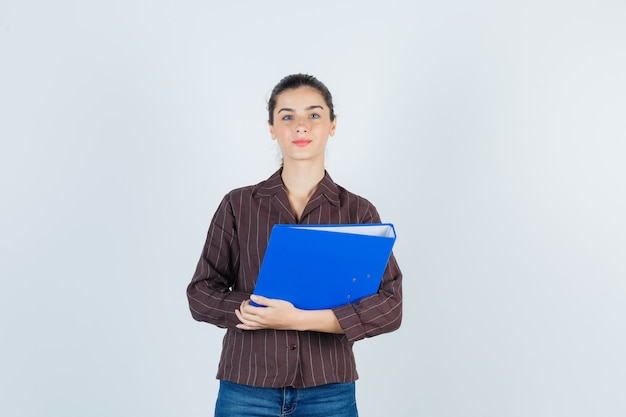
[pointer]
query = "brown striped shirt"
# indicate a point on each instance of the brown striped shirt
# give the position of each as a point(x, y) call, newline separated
point(227, 271)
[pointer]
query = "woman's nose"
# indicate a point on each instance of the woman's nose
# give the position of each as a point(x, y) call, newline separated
point(302, 125)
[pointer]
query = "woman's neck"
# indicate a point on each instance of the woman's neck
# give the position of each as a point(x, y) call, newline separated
point(301, 180)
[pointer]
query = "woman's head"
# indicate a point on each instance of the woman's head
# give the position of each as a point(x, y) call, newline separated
point(294, 81)
point(301, 118)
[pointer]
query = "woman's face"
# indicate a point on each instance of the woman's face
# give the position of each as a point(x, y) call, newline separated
point(302, 125)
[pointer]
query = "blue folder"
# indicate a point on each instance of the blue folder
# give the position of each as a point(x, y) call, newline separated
point(324, 266)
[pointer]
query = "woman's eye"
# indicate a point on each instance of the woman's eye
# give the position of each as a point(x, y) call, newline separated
point(287, 117)
point(314, 116)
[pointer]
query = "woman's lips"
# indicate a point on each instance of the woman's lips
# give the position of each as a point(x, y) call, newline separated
point(301, 142)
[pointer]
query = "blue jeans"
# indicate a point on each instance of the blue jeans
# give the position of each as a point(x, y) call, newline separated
point(332, 400)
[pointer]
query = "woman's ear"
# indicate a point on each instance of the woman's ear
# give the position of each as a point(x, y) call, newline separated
point(333, 126)
point(271, 130)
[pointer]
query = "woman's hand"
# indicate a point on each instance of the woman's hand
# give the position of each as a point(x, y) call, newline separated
point(282, 315)
point(277, 314)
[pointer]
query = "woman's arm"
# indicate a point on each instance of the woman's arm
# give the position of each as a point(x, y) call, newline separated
point(210, 294)
point(282, 315)
point(378, 313)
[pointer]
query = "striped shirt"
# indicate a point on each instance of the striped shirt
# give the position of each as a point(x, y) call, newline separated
point(226, 274)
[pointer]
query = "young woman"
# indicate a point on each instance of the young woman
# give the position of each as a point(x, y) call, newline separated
point(279, 360)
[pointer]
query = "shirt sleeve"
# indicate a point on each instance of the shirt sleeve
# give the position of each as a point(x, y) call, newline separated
point(210, 295)
point(379, 313)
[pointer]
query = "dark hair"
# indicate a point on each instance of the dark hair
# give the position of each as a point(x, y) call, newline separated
point(294, 81)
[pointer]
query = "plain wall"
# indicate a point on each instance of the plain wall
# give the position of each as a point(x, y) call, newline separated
point(492, 134)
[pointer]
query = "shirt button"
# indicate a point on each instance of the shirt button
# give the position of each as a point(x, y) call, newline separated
point(292, 347)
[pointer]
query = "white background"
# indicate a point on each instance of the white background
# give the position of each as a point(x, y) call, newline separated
point(491, 133)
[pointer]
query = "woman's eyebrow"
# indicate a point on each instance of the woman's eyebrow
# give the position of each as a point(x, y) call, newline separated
point(314, 106)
